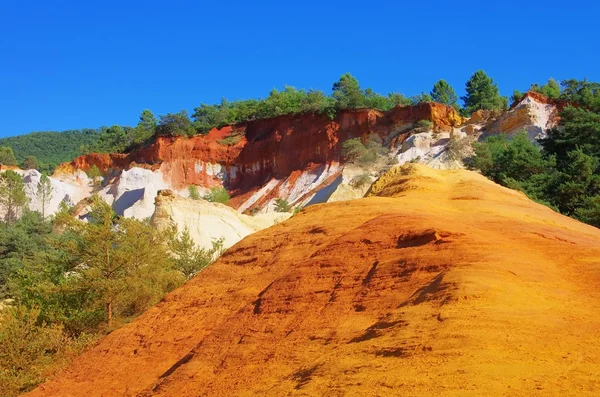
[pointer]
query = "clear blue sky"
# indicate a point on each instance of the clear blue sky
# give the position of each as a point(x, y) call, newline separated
point(68, 64)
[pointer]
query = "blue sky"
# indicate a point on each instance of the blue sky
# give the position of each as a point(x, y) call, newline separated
point(67, 64)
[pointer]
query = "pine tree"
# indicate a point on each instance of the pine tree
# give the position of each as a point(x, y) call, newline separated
point(12, 195)
point(347, 93)
point(482, 93)
point(7, 156)
point(44, 192)
point(443, 92)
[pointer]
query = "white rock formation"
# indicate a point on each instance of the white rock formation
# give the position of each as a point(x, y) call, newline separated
point(207, 221)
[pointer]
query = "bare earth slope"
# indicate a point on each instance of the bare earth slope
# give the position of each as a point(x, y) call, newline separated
point(450, 285)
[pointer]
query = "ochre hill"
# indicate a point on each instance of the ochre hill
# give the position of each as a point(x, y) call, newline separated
point(440, 283)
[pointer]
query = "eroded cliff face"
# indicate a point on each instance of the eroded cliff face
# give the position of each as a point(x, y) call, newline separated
point(297, 157)
point(534, 113)
point(440, 282)
point(245, 156)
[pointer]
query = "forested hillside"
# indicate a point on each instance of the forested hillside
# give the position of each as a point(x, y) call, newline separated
point(51, 148)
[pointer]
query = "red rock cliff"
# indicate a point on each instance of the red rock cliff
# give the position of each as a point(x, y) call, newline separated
point(265, 148)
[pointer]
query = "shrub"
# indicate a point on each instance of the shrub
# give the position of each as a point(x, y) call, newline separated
point(30, 350)
point(217, 195)
point(93, 172)
point(425, 124)
point(297, 210)
point(190, 259)
point(360, 181)
point(362, 154)
point(231, 140)
point(459, 148)
point(282, 205)
point(194, 194)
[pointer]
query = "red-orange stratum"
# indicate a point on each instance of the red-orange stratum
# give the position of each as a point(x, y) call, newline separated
point(438, 283)
point(243, 156)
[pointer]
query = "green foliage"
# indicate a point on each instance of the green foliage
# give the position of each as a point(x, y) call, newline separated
point(51, 148)
point(551, 89)
point(297, 210)
point(425, 124)
point(193, 191)
point(175, 124)
point(423, 97)
point(83, 281)
point(94, 172)
point(362, 154)
point(564, 175)
point(282, 205)
point(360, 180)
point(145, 128)
point(579, 128)
point(30, 349)
point(189, 259)
point(581, 92)
point(30, 163)
point(443, 92)
point(12, 195)
point(7, 156)
point(217, 195)
point(112, 140)
point(516, 96)
point(347, 93)
point(44, 192)
point(482, 93)
point(231, 140)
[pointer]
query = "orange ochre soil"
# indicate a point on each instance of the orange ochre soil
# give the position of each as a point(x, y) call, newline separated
point(441, 283)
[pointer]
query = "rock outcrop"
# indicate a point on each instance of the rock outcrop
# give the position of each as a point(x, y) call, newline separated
point(534, 114)
point(208, 222)
point(439, 283)
point(264, 149)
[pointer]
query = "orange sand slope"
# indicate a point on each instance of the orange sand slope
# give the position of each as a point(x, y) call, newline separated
point(442, 283)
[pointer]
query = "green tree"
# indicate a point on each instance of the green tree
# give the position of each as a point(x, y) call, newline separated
point(516, 96)
point(113, 139)
point(194, 194)
point(217, 195)
point(584, 93)
point(282, 205)
point(397, 99)
point(423, 97)
point(7, 156)
point(443, 92)
point(145, 128)
point(30, 163)
point(124, 260)
point(94, 172)
point(347, 93)
point(361, 153)
point(189, 259)
point(175, 124)
point(551, 89)
point(44, 192)
point(482, 93)
point(12, 195)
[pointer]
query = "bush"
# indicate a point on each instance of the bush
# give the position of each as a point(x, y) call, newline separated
point(362, 154)
point(282, 205)
point(425, 124)
point(93, 172)
point(360, 181)
point(190, 259)
point(231, 140)
point(459, 148)
point(31, 350)
point(194, 194)
point(217, 195)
